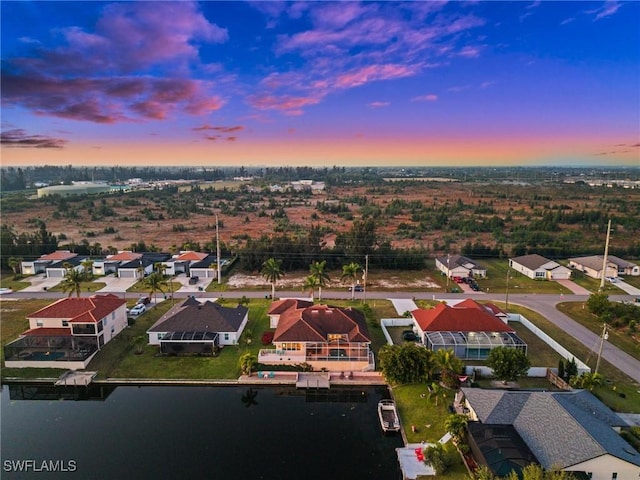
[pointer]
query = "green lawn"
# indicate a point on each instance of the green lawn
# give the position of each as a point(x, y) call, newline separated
point(496, 280)
point(84, 287)
point(7, 281)
point(617, 383)
point(592, 284)
point(620, 338)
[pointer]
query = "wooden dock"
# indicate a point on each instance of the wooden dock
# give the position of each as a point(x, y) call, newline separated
point(74, 378)
point(313, 380)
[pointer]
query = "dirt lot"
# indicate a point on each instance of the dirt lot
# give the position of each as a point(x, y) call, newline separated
point(408, 215)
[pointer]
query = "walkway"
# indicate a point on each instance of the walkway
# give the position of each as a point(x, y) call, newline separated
point(574, 287)
point(630, 289)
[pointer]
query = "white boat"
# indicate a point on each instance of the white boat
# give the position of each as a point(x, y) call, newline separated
point(388, 416)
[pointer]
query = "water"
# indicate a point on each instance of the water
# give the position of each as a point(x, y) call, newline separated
point(197, 433)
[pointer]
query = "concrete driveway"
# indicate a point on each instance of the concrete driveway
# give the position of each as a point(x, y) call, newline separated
point(115, 284)
point(403, 305)
point(630, 289)
point(574, 287)
point(201, 286)
point(40, 283)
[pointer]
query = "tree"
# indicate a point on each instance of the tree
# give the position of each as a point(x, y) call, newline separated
point(587, 381)
point(247, 362)
point(138, 343)
point(456, 425)
point(317, 270)
point(87, 266)
point(73, 281)
point(436, 390)
point(407, 363)
point(570, 369)
point(598, 303)
point(350, 272)
point(561, 368)
point(272, 272)
point(449, 366)
point(482, 473)
point(310, 283)
point(508, 363)
point(14, 264)
point(155, 283)
point(435, 456)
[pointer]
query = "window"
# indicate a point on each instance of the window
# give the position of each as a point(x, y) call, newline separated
point(614, 476)
point(104, 321)
point(589, 475)
point(541, 274)
point(39, 323)
point(226, 336)
point(113, 315)
point(65, 323)
point(290, 346)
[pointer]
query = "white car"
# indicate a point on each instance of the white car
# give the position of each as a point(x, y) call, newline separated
point(139, 309)
point(4, 291)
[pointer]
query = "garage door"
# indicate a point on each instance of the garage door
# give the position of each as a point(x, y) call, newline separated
point(57, 273)
point(127, 273)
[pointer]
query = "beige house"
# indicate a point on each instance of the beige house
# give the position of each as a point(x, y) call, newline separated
point(592, 266)
point(537, 267)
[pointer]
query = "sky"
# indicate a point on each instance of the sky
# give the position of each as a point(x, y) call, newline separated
point(267, 83)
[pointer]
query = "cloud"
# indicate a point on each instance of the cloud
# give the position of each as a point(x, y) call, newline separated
point(607, 9)
point(18, 138)
point(568, 20)
point(235, 128)
point(348, 45)
point(431, 97)
point(378, 104)
point(109, 75)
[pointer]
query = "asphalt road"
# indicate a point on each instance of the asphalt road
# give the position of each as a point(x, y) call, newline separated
point(543, 304)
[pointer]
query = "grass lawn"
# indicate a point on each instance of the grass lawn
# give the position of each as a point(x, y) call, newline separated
point(617, 383)
point(7, 281)
point(84, 287)
point(540, 354)
point(592, 284)
point(621, 339)
point(140, 287)
point(496, 280)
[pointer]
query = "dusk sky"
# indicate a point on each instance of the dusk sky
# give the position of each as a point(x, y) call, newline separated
point(321, 83)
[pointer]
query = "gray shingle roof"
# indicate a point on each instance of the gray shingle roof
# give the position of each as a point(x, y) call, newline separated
point(194, 316)
point(560, 428)
point(532, 262)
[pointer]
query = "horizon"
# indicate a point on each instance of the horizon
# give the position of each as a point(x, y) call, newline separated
point(321, 84)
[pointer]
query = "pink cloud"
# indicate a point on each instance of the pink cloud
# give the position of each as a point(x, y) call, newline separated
point(431, 97)
point(378, 104)
point(469, 52)
point(18, 138)
point(289, 104)
point(373, 73)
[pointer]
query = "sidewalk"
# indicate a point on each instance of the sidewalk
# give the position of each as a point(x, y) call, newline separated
point(403, 305)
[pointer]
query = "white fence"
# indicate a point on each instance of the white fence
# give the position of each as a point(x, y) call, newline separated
point(394, 322)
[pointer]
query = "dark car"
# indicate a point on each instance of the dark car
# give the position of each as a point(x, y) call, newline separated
point(193, 280)
point(356, 288)
point(409, 335)
point(144, 300)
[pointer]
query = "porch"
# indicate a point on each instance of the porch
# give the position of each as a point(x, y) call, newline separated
point(47, 350)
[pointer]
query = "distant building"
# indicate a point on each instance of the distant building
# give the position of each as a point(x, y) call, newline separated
point(78, 188)
point(459, 266)
point(592, 266)
point(537, 267)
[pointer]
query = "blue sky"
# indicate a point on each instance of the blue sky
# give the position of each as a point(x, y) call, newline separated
point(321, 83)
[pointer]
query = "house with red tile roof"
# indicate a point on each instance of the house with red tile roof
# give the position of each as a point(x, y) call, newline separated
point(68, 333)
point(39, 265)
point(469, 328)
point(323, 336)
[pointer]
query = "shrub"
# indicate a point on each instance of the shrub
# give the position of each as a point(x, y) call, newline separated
point(267, 338)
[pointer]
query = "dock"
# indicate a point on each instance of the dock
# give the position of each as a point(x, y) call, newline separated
point(74, 378)
point(313, 380)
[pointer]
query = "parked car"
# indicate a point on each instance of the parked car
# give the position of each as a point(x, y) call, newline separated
point(144, 301)
point(4, 291)
point(457, 279)
point(409, 335)
point(193, 280)
point(138, 309)
point(356, 288)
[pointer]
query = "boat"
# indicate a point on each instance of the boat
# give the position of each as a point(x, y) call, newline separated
point(388, 416)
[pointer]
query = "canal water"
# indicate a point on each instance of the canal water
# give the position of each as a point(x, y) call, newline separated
point(194, 433)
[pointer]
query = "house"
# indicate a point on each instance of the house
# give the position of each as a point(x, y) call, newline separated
point(325, 337)
point(207, 267)
point(593, 265)
point(279, 307)
point(59, 268)
point(198, 327)
point(180, 263)
point(469, 328)
point(68, 333)
point(138, 265)
point(570, 430)
point(537, 267)
point(39, 265)
point(459, 266)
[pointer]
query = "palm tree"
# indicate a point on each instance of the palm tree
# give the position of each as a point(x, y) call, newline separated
point(272, 272)
point(87, 266)
point(15, 264)
point(455, 425)
point(247, 361)
point(310, 283)
point(138, 343)
point(73, 281)
point(588, 381)
point(159, 267)
point(317, 272)
point(449, 366)
point(435, 390)
point(155, 283)
point(350, 272)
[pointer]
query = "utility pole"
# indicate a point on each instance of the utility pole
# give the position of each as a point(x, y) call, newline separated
point(364, 280)
point(506, 300)
point(448, 272)
point(218, 251)
point(606, 253)
point(604, 336)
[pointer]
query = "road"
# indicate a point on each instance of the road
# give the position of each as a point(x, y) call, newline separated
point(543, 304)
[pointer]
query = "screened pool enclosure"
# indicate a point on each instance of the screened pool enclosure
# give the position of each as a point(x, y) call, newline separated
point(473, 345)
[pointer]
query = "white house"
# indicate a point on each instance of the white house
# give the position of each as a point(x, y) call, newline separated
point(592, 266)
point(33, 267)
point(198, 327)
point(537, 267)
point(68, 333)
point(459, 266)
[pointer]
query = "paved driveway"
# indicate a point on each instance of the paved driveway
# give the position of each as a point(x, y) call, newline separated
point(574, 287)
point(115, 284)
point(403, 305)
point(630, 289)
point(40, 283)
